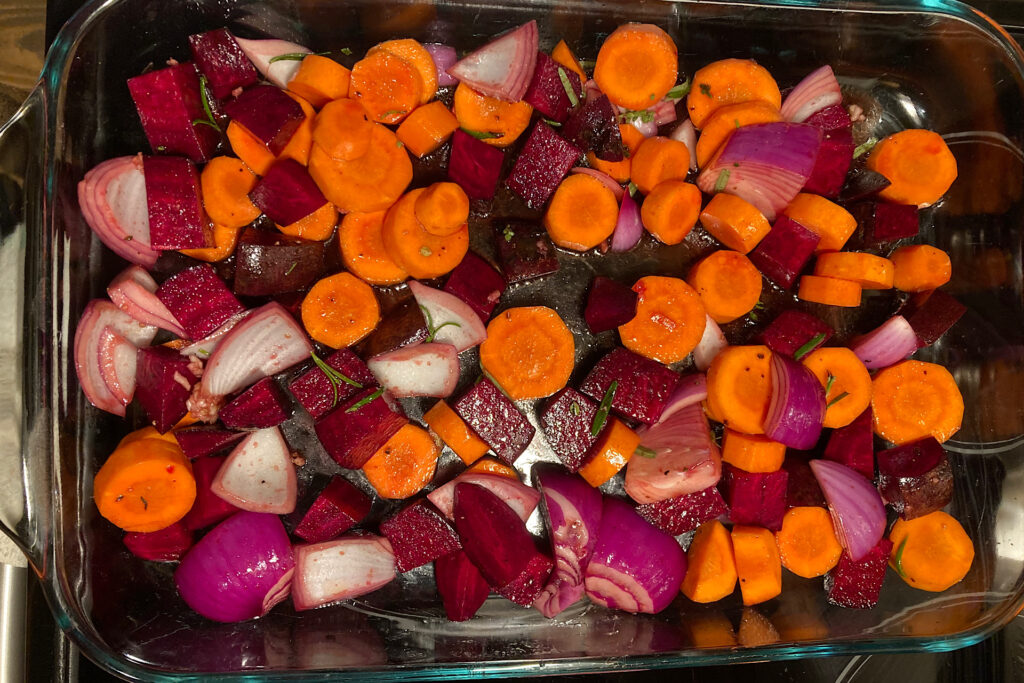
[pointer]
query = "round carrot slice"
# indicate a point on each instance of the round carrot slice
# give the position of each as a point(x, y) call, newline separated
point(729, 81)
point(637, 65)
point(529, 352)
point(670, 211)
point(847, 383)
point(404, 464)
point(740, 387)
point(496, 122)
point(656, 160)
point(932, 552)
point(340, 310)
point(442, 209)
point(669, 321)
point(226, 183)
point(582, 213)
point(728, 284)
point(317, 226)
point(372, 182)
point(224, 241)
point(422, 255)
point(343, 129)
point(362, 249)
point(807, 542)
point(917, 163)
point(388, 86)
point(417, 55)
point(914, 399)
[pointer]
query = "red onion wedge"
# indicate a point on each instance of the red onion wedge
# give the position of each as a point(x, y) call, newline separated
point(118, 359)
point(205, 347)
point(259, 475)
point(262, 54)
point(516, 495)
point(664, 112)
point(646, 128)
point(239, 570)
point(817, 90)
point(112, 197)
point(605, 179)
point(92, 355)
point(444, 57)
point(635, 567)
point(341, 569)
point(452, 319)
point(709, 346)
point(572, 515)
point(503, 67)
point(892, 341)
point(687, 134)
point(797, 409)
point(855, 505)
point(134, 292)
point(629, 228)
point(691, 389)
point(685, 459)
point(422, 370)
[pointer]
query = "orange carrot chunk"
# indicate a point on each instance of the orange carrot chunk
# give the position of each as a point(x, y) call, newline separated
point(226, 183)
point(847, 383)
point(920, 267)
point(917, 163)
point(734, 222)
point(729, 81)
point(564, 56)
point(250, 149)
point(317, 226)
point(494, 121)
point(669, 320)
point(340, 310)
point(670, 211)
point(224, 241)
point(725, 120)
point(807, 542)
point(932, 552)
point(829, 291)
point(750, 453)
point(422, 255)
point(529, 352)
point(404, 464)
point(613, 449)
point(455, 432)
point(740, 387)
point(758, 565)
point(343, 129)
point(302, 139)
point(387, 85)
point(830, 222)
point(728, 284)
point(320, 80)
point(867, 270)
point(710, 564)
point(914, 399)
point(442, 209)
point(491, 465)
point(415, 54)
point(582, 213)
point(361, 241)
point(637, 65)
point(372, 182)
point(656, 160)
point(427, 128)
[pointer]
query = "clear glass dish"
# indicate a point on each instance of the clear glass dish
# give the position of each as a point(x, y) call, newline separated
point(935, 64)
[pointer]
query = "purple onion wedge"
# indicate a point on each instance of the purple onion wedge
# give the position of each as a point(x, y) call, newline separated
point(855, 506)
point(817, 90)
point(797, 409)
point(888, 344)
point(685, 458)
point(629, 228)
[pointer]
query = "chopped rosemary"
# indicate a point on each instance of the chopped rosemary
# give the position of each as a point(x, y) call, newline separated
point(828, 384)
point(705, 89)
point(204, 96)
point(808, 346)
point(161, 148)
point(864, 147)
point(680, 91)
point(289, 57)
point(399, 144)
point(333, 376)
point(345, 51)
point(508, 233)
point(554, 124)
point(632, 188)
point(482, 134)
point(632, 116)
point(723, 180)
point(389, 112)
point(736, 122)
point(145, 503)
point(602, 410)
point(203, 352)
point(645, 452)
point(431, 329)
point(837, 399)
point(574, 408)
point(291, 268)
point(570, 93)
point(898, 558)
point(369, 399)
point(425, 251)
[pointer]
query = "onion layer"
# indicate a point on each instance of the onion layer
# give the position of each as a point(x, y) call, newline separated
point(503, 68)
point(344, 568)
point(686, 459)
point(629, 228)
point(605, 179)
point(134, 292)
point(797, 409)
point(444, 57)
point(855, 505)
point(112, 197)
point(711, 343)
point(817, 90)
point(687, 134)
point(889, 343)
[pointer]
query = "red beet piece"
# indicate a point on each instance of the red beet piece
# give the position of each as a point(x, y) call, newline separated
point(835, 155)
point(861, 183)
point(268, 113)
point(595, 127)
point(566, 421)
point(858, 584)
point(883, 222)
point(546, 92)
point(218, 57)
point(758, 499)
point(199, 441)
point(209, 508)
point(524, 251)
point(931, 314)
point(168, 102)
point(199, 300)
point(802, 489)
point(176, 216)
point(463, 589)
point(644, 386)
point(316, 392)
point(784, 251)
point(356, 429)
point(269, 263)
point(287, 193)
point(166, 545)
point(477, 283)
point(260, 406)
point(831, 118)
point(163, 382)
point(403, 325)
point(686, 512)
point(419, 534)
point(338, 508)
point(854, 445)
point(544, 160)
point(915, 478)
point(474, 165)
point(609, 304)
point(497, 542)
point(792, 329)
point(495, 419)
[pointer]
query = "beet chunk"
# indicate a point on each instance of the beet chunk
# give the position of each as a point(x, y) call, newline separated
point(474, 165)
point(802, 488)
point(168, 101)
point(338, 508)
point(931, 314)
point(784, 251)
point(403, 325)
point(359, 427)
point(544, 160)
point(166, 545)
point(199, 300)
point(209, 508)
point(835, 155)
point(757, 499)
point(861, 183)
point(316, 392)
point(831, 118)
point(686, 512)
point(546, 92)
point(477, 283)
point(176, 216)
point(792, 329)
point(163, 382)
point(915, 478)
point(495, 419)
point(882, 222)
point(463, 589)
point(219, 57)
point(419, 534)
point(261, 406)
point(858, 584)
point(644, 385)
point(269, 263)
point(594, 127)
point(854, 445)
point(609, 304)
point(566, 421)
point(524, 251)
point(268, 113)
point(199, 441)
point(287, 193)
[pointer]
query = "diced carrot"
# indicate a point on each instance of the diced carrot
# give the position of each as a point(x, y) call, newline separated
point(529, 352)
point(343, 129)
point(807, 542)
point(669, 321)
point(637, 65)
point(403, 465)
point(320, 80)
point(491, 465)
point(422, 255)
point(728, 284)
point(847, 383)
point(829, 291)
point(920, 267)
point(494, 121)
point(414, 53)
point(917, 163)
point(867, 270)
point(564, 56)
point(613, 449)
point(740, 387)
point(758, 565)
point(932, 552)
point(620, 170)
point(387, 85)
point(372, 182)
point(729, 81)
point(302, 139)
point(725, 120)
point(339, 310)
point(249, 149)
point(224, 241)
point(455, 432)
point(582, 213)
point(361, 241)
point(710, 630)
point(734, 222)
point(751, 453)
point(317, 226)
point(427, 128)
point(670, 211)
point(710, 564)
point(442, 208)
point(226, 183)
point(656, 160)
point(914, 399)
point(829, 221)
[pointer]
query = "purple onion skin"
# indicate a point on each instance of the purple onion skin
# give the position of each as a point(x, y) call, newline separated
point(629, 228)
point(855, 505)
point(797, 410)
point(228, 575)
point(889, 343)
point(444, 56)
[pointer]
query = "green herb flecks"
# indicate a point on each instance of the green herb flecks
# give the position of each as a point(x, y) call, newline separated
point(574, 408)
point(897, 559)
point(837, 399)
point(632, 188)
point(204, 96)
point(346, 51)
point(567, 84)
point(723, 180)
point(161, 148)
point(602, 410)
point(431, 329)
point(554, 124)
point(705, 89)
point(808, 346)
point(334, 377)
point(680, 91)
point(508, 233)
point(829, 382)
point(399, 144)
point(389, 112)
point(645, 452)
point(289, 57)
point(369, 399)
point(482, 134)
point(864, 147)
point(425, 251)
point(291, 268)
point(634, 116)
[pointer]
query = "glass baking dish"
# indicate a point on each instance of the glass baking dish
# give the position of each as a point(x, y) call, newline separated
point(936, 64)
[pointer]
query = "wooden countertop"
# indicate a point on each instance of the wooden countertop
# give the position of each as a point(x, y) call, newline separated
point(22, 29)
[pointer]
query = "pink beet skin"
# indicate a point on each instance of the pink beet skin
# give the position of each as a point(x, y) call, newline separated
point(260, 406)
point(338, 508)
point(463, 589)
point(419, 534)
point(168, 101)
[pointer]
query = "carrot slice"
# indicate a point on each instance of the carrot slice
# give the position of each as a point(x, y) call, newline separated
point(249, 149)
point(422, 255)
point(317, 226)
point(404, 464)
point(388, 86)
point(710, 564)
point(829, 291)
point(920, 267)
point(656, 160)
point(637, 65)
point(725, 120)
point(729, 81)
point(751, 453)
point(226, 183)
point(867, 270)
point(582, 213)
point(224, 241)
point(442, 209)
point(339, 310)
point(495, 122)
point(372, 182)
point(343, 129)
point(914, 399)
point(302, 139)
point(758, 564)
point(917, 163)
point(415, 54)
point(620, 170)
point(529, 352)
point(454, 431)
point(491, 465)
point(807, 542)
point(670, 211)
point(145, 485)
point(710, 630)
point(830, 222)
point(427, 128)
point(564, 56)
point(728, 284)
point(320, 80)
point(734, 222)
point(740, 387)
point(932, 552)
point(847, 383)
point(615, 446)
point(669, 321)
point(362, 249)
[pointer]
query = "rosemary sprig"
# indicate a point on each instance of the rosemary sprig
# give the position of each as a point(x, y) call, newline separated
point(204, 97)
point(482, 134)
point(808, 346)
point(864, 147)
point(567, 84)
point(898, 558)
point(369, 399)
point(634, 116)
point(333, 376)
point(645, 452)
point(828, 384)
point(603, 409)
point(680, 91)
point(431, 329)
point(723, 180)
point(837, 399)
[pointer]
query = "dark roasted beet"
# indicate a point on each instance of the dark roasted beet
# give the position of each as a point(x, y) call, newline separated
point(338, 508)
point(858, 584)
point(199, 300)
point(784, 251)
point(861, 183)
point(477, 283)
point(882, 222)
point(594, 127)
point(166, 545)
point(168, 101)
point(176, 216)
point(544, 160)
point(792, 330)
point(219, 58)
point(268, 113)
point(831, 118)
point(209, 508)
point(547, 93)
point(463, 589)
point(830, 167)
point(609, 304)
point(931, 314)
point(495, 419)
point(269, 263)
point(163, 382)
point(915, 478)
point(318, 394)
point(684, 513)
point(260, 406)
point(853, 445)
point(474, 165)
point(419, 534)
point(403, 325)
point(566, 422)
point(287, 193)
point(356, 429)
point(644, 386)
point(802, 488)
point(524, 251)
point(758, 499)
point(199, 441)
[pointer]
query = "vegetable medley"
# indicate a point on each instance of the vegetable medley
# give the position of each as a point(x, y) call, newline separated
point(317, 283)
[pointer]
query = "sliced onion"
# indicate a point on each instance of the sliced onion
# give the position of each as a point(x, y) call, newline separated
point(134, 292)
point(112, 197)
point(686, 459)
point(892, 341)
point(261, 51)
point(817, 90)
point(605, 179)
point(711, 343)
point(118, 359)
point(205, 347)
point(503, 68)
point(515, 494)
point(444, 57)
point(572, 515)
point(687, 134)
point(797, 409)
point(455, 321)
point(855, 505)
point(664, 112)
point(258, 475)
point(239, 570)
point(341, 569)
point(98, 316)
point(691, 389)
point(430, 369)
point(629, 228)
point(646, 128)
